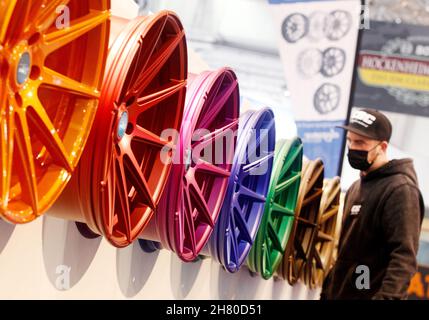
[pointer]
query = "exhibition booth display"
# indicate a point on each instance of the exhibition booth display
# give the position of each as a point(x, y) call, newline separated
point(132, 147)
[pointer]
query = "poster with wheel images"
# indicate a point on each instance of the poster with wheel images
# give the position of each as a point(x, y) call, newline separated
point(317, 45)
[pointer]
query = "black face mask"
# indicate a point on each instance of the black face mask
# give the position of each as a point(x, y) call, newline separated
point(358, 159)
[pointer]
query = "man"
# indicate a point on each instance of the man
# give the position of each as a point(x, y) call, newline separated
point(383, 213)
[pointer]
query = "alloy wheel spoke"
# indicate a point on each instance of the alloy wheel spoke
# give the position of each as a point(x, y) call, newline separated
point(210, 138)
point(291, 159)
point(248, 169)
point(242, 226)
point(311, 198)
point(217, 107)
point(156, 63)
point(272, 234)
point(24, 154)
point(49, 13)
point(189, 225)
point(160, 95)
point(286, 184)
point(210, 168)
point(6, 11)
point(48, 135)
point(6, 155)
point(324, 237)
point(111, 187)
point(124, 212)
point(252, 195)
point(329, 214)
point(306, 223)
point(300, 252)
point(55, 80)
point(319, 263)
point(144, 54)
point(137, 179)
point(61, 37)
point(17, 27)
point(266, 259)
point(232, 251)
point(143, 135)
point(200, 203)
point(215, 90)
point(282, 209)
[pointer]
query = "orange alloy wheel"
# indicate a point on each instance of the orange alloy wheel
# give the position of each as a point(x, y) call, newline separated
point(122, 174)
point(52, 58)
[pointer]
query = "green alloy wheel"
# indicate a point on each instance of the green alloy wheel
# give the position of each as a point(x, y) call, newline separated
point(277, 221)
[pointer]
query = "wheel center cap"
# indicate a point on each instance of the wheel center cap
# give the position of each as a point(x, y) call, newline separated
point(122, 125)
point(23, 69)
point(188, 159)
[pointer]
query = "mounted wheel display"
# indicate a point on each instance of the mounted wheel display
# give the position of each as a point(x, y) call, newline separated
point(201, 165)
point(338, 24)
point(244, 202)
point(122, 174)
point(50, 79)
point(304, 227)
point(279, 212)
point(322, 249)
point(295, 27)
point(334, 60)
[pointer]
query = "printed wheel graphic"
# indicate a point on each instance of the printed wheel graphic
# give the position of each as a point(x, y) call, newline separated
point(244, 202)
point(305, 223)
point(327, 98)
point(334, 60)
point(276, 225)
point(295, 27)
point(317, 26)
point(122, 174)
point(310, 62)
point(196, 189)
point(321, 254)
point(50, 79)
point(338, 24)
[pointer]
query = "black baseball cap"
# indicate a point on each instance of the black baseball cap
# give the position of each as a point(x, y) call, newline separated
point(370, 123)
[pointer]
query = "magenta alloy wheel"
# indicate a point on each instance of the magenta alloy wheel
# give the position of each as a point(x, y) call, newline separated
point(202, 163)
point(248, 185)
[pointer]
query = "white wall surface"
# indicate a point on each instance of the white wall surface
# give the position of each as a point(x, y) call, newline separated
point(33, 258)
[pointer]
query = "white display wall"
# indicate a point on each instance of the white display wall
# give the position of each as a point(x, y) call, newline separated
point(49, 259)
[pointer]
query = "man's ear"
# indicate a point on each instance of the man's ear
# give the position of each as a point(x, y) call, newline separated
point(384, 145)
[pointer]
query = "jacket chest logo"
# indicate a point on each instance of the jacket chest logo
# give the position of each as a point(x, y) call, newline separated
point(355, 210)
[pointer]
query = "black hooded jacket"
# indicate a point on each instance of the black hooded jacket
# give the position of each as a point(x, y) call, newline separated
point(383, 213)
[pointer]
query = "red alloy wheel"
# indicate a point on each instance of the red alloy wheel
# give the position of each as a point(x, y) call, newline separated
point(121, 176)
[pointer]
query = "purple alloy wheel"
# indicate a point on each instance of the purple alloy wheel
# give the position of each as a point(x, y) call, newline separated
point(248, 184)
point(193, 197)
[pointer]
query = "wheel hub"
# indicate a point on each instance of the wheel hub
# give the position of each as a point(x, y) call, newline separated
point(122, 124)
point(23, 68)
point(188, 159)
